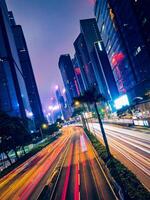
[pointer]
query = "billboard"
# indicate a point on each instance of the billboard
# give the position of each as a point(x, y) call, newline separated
point(121, 101)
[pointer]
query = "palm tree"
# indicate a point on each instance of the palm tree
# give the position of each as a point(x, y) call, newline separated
point(91, 96)
point(79, 111)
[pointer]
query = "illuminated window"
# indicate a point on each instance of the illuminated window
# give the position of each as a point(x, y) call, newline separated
point(112, 16)
point(109, 47)
point(103, 27)
point(22, 50)
point(144, 20)
point(100, 46)
point(138, 50)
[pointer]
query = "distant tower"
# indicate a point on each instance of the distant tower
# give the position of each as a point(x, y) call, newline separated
point(68, 76)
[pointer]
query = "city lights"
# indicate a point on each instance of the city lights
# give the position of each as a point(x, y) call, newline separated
point(56, 87)
point(64, 91)
point(80, 128)
point(54, 108)
point(121, 101)
point(77, 103)
point(29, 114)
point(44, 126)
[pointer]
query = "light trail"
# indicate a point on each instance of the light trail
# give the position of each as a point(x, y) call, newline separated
point(27, 181)
point(132, 145)
point(64, 193)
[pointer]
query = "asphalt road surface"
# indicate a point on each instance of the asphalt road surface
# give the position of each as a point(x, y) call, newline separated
point(65, 169)
point(129, 145)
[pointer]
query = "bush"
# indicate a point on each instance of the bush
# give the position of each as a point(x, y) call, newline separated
point(131, 186)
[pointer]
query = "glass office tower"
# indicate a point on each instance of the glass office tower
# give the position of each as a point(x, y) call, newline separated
point(128, 54)
point(13, 95)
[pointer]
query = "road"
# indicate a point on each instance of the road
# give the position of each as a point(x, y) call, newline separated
point(68, 168)
point(130, 146)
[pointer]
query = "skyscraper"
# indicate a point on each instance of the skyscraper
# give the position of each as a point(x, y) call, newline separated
point(103, 72)
point(13, 96)
point(68, 76)
point(141, 10)
point(100, 73)
point(61, 102)
point(27, 71)
point(121, 31)
point(59, 97)
point(77, 70)
point(85, 64)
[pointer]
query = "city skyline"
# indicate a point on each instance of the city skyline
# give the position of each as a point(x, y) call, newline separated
point(90, 139)
point(37, 44)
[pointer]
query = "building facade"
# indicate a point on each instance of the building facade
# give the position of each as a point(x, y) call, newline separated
point(125, 45)
point(102, 72)
point(141, 10)
point(27, 71)
point(84, 61)
point(13, 95)
point(68, 76)
point(77, 70)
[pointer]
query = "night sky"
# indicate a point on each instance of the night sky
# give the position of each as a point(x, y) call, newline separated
point(50, 28)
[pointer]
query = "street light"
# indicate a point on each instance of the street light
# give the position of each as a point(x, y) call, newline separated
point(77, 103)
point(44, 126)
point(56, 87)
point(84, 120)
point(64, 91)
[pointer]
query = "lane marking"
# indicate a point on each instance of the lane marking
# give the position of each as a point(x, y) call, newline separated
point(78, 179)
point(64, 193)
point(58, 177)
point(76, 190)
point(82, 142)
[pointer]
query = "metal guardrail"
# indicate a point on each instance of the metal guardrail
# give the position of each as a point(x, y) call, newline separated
point(129, 122)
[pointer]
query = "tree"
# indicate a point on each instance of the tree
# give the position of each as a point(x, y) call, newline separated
point(20, 133)
point(92, 96)
point(79, 111)
point(13, 134)
point(53, 128)
point(59, 120)
point(5, 136)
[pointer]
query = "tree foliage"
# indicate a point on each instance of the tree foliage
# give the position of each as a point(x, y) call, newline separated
point(13, 134)
point(90, 96)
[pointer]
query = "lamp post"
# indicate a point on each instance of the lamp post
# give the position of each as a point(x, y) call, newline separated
point(102, 129)
point(44, 126)
point(91, 96)
point(84, 121)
